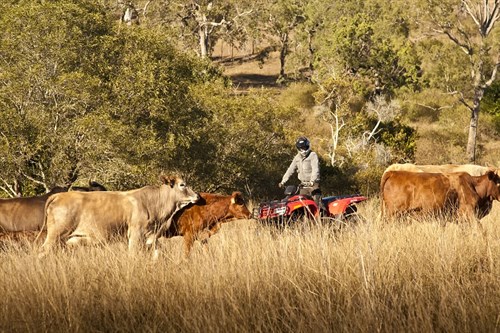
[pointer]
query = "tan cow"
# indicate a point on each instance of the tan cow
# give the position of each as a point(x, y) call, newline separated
point(92, 217)
point(471, 169)
point(437, 193)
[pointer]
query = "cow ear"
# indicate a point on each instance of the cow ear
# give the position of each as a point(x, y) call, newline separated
point(236, 198)
point(168, 180)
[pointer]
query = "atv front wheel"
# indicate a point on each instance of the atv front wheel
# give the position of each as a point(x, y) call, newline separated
point(336, 223)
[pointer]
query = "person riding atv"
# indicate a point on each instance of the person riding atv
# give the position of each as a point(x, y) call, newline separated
point(306, 163)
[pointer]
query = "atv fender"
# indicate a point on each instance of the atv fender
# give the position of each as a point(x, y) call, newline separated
point(339, 207)
point(310, 209)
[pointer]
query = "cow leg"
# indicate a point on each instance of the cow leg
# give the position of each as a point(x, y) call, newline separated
point(210, 232)
point(188, 242)
point(52, 239)
point(77, 240)
point(135, 236)
point(47, 246)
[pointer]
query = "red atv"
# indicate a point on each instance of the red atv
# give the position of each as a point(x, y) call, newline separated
point(298, 207)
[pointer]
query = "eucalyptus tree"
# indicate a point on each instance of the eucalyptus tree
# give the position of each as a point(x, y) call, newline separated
point(281, 19)
point(362, 52)
point(470, 27)
point(80, 97)
point(201, 23)
point(49, 59)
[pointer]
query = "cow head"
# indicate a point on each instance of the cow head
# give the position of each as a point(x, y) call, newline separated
point(494, 181)
point(184, 195)
point(238, 208)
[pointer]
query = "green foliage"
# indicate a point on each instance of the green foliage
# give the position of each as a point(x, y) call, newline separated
point(243, 144)
point(82, 97)
point(401, 139)
point(48, 80)
point(298, 95)
point(445, 75)
point(384, 62)
point(491, 100)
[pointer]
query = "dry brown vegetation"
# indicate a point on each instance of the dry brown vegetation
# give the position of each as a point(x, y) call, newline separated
point(417, 277)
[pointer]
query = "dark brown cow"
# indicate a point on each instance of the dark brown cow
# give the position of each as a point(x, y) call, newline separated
point(203, 218)
point(26, 214)
point(93, 186)
point(437, 193)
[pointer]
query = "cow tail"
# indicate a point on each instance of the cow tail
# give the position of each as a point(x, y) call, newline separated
point(385, 176)
point(47, 203)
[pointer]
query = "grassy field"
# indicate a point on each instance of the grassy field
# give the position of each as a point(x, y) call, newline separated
point(417, 277)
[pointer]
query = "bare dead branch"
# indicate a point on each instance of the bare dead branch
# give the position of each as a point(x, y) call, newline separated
point(8, 189)
point(467, 50)
point(335, 133)
point(433, 108)
point(493, 73)
point(461, 99)
point(36, 181)
point(374, 130)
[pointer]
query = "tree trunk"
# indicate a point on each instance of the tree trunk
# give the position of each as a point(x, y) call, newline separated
point(203, 35)
point(474, 120)
point(310, 37)
point(283, 53)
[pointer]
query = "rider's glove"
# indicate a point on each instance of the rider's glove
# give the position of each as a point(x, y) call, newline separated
point(281, 185)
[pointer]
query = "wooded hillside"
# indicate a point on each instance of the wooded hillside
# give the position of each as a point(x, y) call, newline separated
point(219, 91)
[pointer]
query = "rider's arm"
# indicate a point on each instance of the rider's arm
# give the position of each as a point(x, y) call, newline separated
point(314, 167)
point(289, 172)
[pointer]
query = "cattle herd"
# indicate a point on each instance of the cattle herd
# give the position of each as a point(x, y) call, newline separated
point(461, 191)
point(92, 215)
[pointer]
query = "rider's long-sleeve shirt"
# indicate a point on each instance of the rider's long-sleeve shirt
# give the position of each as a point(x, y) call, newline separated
point(306, 167)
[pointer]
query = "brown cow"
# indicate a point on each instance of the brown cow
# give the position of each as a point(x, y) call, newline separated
point(471, 169)
point(94, 216)
point(19, 214)
point(26, 214)
point(432, 193)
point(203, 219)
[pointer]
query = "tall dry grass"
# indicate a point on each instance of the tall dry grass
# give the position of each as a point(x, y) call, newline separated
point(417, 277)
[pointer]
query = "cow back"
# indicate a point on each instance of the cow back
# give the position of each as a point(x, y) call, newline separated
point(25, 213)
point(471, 169)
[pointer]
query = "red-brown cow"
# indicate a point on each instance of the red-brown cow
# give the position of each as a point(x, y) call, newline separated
point(203, 218)
point(432, 193)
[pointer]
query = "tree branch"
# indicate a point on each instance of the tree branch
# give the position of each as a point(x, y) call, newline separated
point(467, 50)
point(36, 181)
point(493, 73)
point(8, 189)
point(462, 100)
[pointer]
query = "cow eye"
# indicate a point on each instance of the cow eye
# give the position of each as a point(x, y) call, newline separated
point(182, 185)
